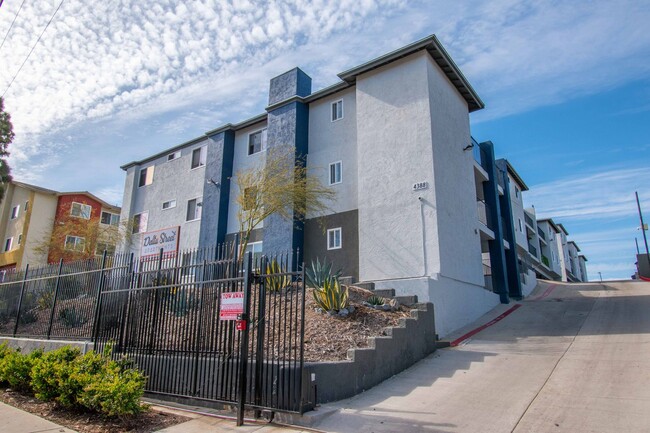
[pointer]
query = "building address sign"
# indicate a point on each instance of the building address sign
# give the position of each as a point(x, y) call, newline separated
point(418, 186)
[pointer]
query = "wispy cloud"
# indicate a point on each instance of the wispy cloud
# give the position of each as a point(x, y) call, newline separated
point(605, 194)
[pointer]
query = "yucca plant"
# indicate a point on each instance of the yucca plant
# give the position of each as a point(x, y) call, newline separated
point(331, 296)
point(317, 274)
point(276, 282)
point(376, 300)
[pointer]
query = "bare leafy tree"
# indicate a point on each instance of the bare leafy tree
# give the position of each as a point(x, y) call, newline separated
point(279, 185)
point(6, 137)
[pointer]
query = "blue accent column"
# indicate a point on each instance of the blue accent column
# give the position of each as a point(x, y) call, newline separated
point(288, 125)
point(512, 263)
point(216, 198)
point(497, 247)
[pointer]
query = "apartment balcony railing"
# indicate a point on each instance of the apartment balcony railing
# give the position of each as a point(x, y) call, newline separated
point(479, 156)
point(481, 208)
point(532, 250)
point(541, 233)
point(546, 261)
point(529, 220)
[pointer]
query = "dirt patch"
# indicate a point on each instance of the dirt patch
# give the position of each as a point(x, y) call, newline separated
point(328, 338)
point(89, 422)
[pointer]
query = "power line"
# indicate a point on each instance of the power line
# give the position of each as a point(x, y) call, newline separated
point(32, 50)
point(12, 23)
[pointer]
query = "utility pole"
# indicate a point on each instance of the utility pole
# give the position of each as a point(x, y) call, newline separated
point(601, 276)
point(645, 239)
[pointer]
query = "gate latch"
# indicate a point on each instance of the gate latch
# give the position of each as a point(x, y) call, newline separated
point(241, 322)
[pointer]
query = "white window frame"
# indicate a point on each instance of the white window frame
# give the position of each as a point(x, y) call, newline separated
point(521, 229)
point(82, 206)
point(197, 209)
point(110, 219)
point(334, 110)
point(203, 157)
point(9, 242)
point(142, 227)
point(340, 172)
point(172, 204)
point(15, 211)
point(264, 139)
point(333, 232)
point(174, 155)
point(76, 243)
point(148, 177)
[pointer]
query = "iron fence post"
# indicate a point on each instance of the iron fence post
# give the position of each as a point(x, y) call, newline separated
point(243, 349)
point(302, 342)
point(127, 304)
point(20, 299)
point(95, 333)
point(261, 323)
point(56, 294)
point(155, 300)
point(197, 336)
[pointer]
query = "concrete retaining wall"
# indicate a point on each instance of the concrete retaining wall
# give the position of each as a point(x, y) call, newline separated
point(404, 345)
point(27, 345)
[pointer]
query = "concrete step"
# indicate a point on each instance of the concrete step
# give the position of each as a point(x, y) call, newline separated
point(407, 300)
point(347, 281)
point(367, 286)
point(384, 293)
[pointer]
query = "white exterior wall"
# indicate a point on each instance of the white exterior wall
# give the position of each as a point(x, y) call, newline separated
point(518, 214)
point(553, 256)
point(41, 224)
point(412, 126)
point(242, 161)
point(335, 141)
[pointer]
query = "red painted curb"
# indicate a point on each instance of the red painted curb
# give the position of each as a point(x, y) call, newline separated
point(644, 278)
point(546, 292)
point(457, 341)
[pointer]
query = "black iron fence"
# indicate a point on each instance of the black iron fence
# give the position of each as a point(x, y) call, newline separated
point(202, 324)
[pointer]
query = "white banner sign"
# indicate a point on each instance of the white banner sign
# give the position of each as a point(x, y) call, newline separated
point(166, 239)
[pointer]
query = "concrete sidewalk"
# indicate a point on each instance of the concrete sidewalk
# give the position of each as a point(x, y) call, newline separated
point(14, 420)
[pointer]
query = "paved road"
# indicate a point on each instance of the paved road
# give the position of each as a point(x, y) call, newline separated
point(573, 358)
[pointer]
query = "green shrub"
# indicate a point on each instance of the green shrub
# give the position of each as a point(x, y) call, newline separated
point(4, 352)
point(278, 278)
point(317, 274)
point(16, 368)
point(52, 369)
point(115, 391)
point(331, 296)
point(81, 373)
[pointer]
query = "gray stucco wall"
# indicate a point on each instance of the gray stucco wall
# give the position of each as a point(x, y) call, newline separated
point(345, 258)
point(402, 347)
point(291, 83)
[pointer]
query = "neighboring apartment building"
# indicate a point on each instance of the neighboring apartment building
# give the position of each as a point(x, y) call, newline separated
point(41, 226)
point(391, 138)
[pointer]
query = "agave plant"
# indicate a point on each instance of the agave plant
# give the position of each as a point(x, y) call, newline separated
point(331, 296)
point(317, 274)
point(277, 279)
point(376, 300)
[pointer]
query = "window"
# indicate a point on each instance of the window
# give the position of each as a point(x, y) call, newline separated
point(146, 176)
point(173, 156)
point(521, 229)
point(75, 243)
point(335, 173)
point(516, 191)
point(140, 222)
point(250, 197)
point(256, 249)
point(334, 238)
point(169, 204)
point(26, 206)
point(199, 156)
point(8, 243)
point(14, 212)
point(80, 210)
point(257, 142)
point(20, 239)
point(194, 209)
point(103, 246)
point(337, 110)
point(110, 219)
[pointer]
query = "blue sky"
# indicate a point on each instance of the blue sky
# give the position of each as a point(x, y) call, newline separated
point(566, 87)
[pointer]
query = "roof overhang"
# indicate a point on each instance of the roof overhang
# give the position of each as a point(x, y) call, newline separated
point(433, 46)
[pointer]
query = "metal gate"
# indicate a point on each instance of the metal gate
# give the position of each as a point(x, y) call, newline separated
point(166, 318)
